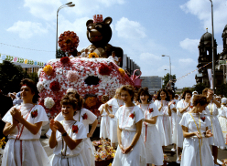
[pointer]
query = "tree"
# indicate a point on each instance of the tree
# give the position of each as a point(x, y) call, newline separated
point(10, 77)
point(166, 80)
point(222, 90)
point(199, 87)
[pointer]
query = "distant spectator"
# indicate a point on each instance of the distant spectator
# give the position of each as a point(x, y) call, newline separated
point(85, 53)
point(114, 58)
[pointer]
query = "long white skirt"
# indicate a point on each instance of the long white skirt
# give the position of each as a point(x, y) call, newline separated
point(136, 157)
point(27, 152)
point(173, 122)
point(153, 146)
point(223, 123)
point(113, 130)
point(105, 127)
point(217, 139)
point(164, 129)
point(88, 153)
point(72, 161)
point(191, 153)
point(180, 137)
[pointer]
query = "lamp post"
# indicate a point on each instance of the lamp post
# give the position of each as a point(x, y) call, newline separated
point(213, 58)
point(169, 65)
point(69, 4)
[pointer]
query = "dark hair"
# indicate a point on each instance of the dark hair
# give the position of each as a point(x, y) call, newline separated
point(31, 84)
point(130, 89)
point(200, 99)
point(76, 95)
point(171, 92)
point(105, 98)
point(167, 95)
point(144, 91)
point(69, 100)
point(185, 92)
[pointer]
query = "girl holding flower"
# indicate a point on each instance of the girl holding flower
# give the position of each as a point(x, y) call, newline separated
point(66, 136)
point(149, 131)
point(86, 117)
point(23, 128)
point(131, 149)
point(196, 149)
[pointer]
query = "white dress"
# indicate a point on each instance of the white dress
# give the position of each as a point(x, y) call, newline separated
point(151, 135)
point(87, 118)
point(222, 117)
point(63, 155)
point(105, 123)
point(211, 113)
point(22, 146)
point(181, 105)
point(173, 122)
point(163, 123)
point(126, 121)
point(114, 104)
point(196, 152)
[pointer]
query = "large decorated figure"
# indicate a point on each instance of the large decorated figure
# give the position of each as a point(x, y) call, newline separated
point(99, 34)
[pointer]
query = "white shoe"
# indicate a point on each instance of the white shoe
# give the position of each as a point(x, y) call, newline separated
point(178, 160)
point(173, 150)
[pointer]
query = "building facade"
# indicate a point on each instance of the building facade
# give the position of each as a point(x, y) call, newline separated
point(154, 83)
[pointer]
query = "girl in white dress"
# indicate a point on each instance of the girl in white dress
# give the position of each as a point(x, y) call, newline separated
point(222, 117)
point(163, 122)
point(130, 150)
point(105, 124)
point(23, 128)
point(211, 113)
point(66, 136)
point(183, 107)
point(111, 108)
point(149, 131)
point(196, 151)
point(86, 117)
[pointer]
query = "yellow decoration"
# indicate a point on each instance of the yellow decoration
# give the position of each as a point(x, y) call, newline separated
point(2, 142)
point(48, 69)
point(110, 164)
point(122, 72)
point(25, 61)
point(93, 55)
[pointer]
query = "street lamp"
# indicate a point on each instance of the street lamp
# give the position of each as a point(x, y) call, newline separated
point(69, 4)
point(213, 60)
point(169, 65)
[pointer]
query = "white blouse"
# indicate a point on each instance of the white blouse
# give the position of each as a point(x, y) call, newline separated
point(115, 104)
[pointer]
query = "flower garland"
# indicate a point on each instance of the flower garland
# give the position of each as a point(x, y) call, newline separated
point(93, 55)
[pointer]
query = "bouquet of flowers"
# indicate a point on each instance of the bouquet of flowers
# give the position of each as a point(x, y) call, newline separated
point(224, 162)
point(2, 143)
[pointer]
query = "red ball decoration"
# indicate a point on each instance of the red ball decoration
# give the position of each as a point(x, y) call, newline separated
point(55, 86)
point(68, 41)
point(104, 69)
point(64, 60)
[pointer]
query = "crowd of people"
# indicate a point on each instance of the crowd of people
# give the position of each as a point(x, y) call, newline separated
point(138, 125)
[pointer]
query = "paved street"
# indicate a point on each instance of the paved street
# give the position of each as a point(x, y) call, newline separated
point(172, 156)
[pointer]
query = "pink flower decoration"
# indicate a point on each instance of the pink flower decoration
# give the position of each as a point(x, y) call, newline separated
point(15, 59)
point(72, 76)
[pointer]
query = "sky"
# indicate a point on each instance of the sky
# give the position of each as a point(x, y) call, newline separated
point(145, 30)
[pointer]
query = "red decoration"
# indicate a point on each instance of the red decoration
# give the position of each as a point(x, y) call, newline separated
point(34, 114)
point(75, 129)
point(55, 86)
point(191, 106)
point(174, 103)
point(151, 110)
point(64, 60)
point(68, 41)
point(132, 115)
point(104, 69)
point(84, 116)
point(203, 118)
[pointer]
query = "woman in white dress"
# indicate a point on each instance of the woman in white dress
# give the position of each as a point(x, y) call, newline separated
point(111, 108)
point(87, 118)
point(130, 150)
point(23, 128)
point(222, 117)
point(163, 122)
point(211, 113)
point(196, 151)
point(66, 136)
point(149, 131)
point(183, 107)
point(105, 124)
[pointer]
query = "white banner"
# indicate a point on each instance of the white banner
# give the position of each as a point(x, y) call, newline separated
point(209, 71)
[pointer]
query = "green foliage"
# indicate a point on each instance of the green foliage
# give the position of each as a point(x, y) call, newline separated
point(34, 77)
point(166, 79)
point(222, 90)
point(199, 87)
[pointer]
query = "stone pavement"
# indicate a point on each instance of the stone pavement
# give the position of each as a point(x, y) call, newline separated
point(222, 154)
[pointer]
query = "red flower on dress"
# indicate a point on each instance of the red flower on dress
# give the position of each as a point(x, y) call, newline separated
point(75, 129)
point(55, 86)
point(64, 60)
point(84, 116)
point(132, 115)
point(121, 105)
point(174, 103)
point(34, 114)
point(191, 106)
point(151, 110)
point(203, 118)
